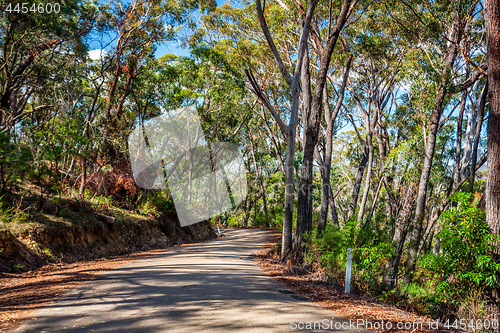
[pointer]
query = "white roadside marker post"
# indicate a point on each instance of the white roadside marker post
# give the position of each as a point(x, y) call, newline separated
point(348, 271)
point(218, 229)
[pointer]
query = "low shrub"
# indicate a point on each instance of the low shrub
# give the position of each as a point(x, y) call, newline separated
point(466, 261)
point(329, 250)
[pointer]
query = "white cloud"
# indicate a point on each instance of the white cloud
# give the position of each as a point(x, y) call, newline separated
point(97, 54)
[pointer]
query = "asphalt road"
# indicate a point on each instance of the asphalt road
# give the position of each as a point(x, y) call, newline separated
point(208, 287)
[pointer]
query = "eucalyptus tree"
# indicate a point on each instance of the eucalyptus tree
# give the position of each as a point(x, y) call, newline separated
point(380, 66)
point(294, 82)
point(313, 104)
point(206, 81)
point(243, 43)
point(34, 46)
point(448, 19)
point(324, 155)
point(373, 97)
point(137, 28)
point(492, 21)
point(236, 33)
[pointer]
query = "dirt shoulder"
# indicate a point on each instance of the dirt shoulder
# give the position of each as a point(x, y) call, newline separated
point(312, 286)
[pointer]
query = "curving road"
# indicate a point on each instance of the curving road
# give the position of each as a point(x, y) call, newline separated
point(208, 287)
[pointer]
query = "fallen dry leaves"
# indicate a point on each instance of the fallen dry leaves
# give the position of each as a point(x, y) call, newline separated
point(352, 307)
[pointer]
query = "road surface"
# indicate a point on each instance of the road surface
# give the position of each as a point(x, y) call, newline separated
point(209, 287)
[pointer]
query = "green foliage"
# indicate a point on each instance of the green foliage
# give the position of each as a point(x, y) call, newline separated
point(370, 263)
point(277, 247)
point(207, 80)
point(327, 249)
point(420, 298)
point(234, 221)
point(330, 250)
point(59, 108)
point(16, 268)
point(147, 208)
point(14, 160)
point(12, 216)
point(466, 261)
point(48, 252)
point(155, 203)
point(97, 201)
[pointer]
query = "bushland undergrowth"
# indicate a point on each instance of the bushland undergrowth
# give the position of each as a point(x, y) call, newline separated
point(450, 282)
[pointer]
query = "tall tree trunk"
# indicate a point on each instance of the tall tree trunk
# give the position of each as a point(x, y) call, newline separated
point(326, 190)
point(468, 139)
point(477, 136)
point(287, 241)
point(304, 197)
point(386, 181)
point(398, 239)
point(351, 208)
point(305, 82)
point(333, 209)
point(368, 181)
point(325, 166)
point(290, 130)
point(286, 247)
point(84, 176)
point(325, 198)
point(492, 21)
point(416, 232)
point(458, 148)
point(367, 157)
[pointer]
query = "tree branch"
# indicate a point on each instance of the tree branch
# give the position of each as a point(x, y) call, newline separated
point(272, 46)
point(265, 101)
point(469, 82)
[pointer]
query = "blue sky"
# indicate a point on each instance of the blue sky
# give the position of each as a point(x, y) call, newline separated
point(173, 47)
point(170, 47)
